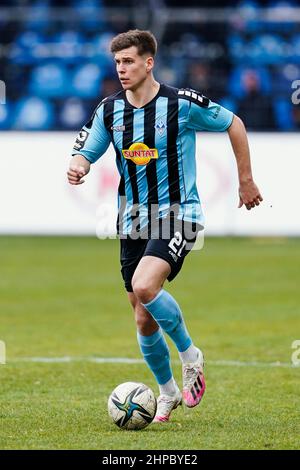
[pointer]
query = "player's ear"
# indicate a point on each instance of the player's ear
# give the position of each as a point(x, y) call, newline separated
point(149, 63)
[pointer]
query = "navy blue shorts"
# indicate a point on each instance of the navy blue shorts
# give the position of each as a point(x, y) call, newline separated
point(173, 250)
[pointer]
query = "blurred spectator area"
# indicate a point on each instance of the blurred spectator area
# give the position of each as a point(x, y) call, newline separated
point(55, 59)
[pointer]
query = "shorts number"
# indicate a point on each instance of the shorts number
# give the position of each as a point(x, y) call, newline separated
point(177, 244)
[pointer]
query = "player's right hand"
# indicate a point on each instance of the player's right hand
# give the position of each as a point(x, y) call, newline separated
point(75, 174)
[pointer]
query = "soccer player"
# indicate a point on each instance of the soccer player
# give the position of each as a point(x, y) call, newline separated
point(152, 127)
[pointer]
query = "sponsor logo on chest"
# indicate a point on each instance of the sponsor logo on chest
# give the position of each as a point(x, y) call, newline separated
point(140, 153)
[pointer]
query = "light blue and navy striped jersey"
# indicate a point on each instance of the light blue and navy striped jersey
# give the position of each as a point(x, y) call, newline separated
point(155, 151)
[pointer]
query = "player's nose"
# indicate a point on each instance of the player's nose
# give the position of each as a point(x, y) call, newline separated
point(121, 68)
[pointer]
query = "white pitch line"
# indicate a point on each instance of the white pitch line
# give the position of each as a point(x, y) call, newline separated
point(126, 360)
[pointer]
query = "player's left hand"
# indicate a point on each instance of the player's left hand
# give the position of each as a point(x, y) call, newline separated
point(249, 195)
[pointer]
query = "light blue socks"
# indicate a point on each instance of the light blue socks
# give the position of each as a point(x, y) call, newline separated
point(156, 354)
point(166, 311)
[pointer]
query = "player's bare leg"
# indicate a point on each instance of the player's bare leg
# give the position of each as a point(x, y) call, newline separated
point(146, 325)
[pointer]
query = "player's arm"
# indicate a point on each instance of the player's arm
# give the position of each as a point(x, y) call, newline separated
point(248, 191)
point(209, 116)
point(91, 143)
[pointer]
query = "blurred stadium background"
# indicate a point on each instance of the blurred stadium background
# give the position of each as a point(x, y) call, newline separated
point(62, 297)
point(56, 63)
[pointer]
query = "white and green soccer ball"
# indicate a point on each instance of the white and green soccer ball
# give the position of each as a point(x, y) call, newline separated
point(132, 405)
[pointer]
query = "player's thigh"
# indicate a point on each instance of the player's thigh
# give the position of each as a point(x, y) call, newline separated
point(131, 252)
point(150, 273)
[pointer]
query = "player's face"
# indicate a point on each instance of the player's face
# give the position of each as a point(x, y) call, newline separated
point(132, 68)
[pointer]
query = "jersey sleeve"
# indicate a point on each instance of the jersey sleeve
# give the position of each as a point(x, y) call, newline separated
point(208, 116)
point(93, 139)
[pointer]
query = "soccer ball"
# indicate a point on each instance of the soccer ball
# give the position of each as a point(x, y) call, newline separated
point(132, 405)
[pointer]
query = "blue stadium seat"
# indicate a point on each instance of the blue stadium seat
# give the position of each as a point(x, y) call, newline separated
point(49, 80)
point(267, 49)
point(27, 48)
point(5, 116)
point(73, 114)
point(237, 47)
point(39, 18)
point(283, 114)
point(248, 9)
point(90, 14)
point(296, 48)
point(68, 46)
point(33, 113)
point(86, 81)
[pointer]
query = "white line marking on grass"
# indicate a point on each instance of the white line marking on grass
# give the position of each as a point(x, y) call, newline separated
point(98, 360)
point(127, 360)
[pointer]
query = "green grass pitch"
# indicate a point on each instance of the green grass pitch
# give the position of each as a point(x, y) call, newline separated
point(64, 297)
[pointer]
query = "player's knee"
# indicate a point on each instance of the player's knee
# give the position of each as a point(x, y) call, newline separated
point(144, 291)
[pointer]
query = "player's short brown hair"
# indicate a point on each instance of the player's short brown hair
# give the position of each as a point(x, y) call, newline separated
point(144, 41)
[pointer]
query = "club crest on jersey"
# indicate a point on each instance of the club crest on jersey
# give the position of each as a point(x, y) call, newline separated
point(140, 153)
point(160, 127)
